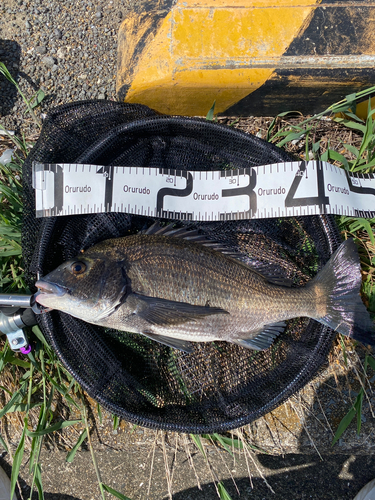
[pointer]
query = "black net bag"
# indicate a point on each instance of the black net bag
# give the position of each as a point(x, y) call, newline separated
point(220, 386)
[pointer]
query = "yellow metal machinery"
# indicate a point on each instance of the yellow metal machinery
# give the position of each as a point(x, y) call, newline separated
point(254, 57)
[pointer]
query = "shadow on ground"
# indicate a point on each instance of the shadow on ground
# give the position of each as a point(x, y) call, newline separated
point(324, 473)
point(297, 477)
point(10, 53)
point(26, 489)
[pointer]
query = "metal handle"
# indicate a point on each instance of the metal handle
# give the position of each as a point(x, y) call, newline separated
point(16, 312)
point(7, 300)
point(21, 302)
point(12, 327)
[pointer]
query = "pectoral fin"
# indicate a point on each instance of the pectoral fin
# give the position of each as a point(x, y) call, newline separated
point(264, 338)
point(164, 312)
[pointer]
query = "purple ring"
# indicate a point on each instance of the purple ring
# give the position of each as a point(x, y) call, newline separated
point(26, 350)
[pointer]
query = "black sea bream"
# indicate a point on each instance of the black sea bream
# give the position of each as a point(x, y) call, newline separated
point(176, 290)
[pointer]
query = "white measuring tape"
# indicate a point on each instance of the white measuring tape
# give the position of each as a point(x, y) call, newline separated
point(277, 190)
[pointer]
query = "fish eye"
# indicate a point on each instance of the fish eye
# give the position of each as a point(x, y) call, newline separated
point(78, 268)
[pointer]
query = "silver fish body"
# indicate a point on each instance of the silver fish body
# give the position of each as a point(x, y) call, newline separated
point(178, 291)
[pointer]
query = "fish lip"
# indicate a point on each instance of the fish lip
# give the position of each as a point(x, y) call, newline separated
point(47, 288)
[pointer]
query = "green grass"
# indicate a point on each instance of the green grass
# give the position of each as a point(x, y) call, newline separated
point(39, 380)
point(35, 100)
point(11, 264)
point(360, 160)
point(356, 409)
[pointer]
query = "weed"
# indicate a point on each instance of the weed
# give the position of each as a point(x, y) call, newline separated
point(210, 114)
point(30, 103)
point(360, 159)
point(356, 409)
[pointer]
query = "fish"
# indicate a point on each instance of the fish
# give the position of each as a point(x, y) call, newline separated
point(176, 287)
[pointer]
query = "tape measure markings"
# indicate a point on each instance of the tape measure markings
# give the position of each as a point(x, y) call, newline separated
point(275, 190)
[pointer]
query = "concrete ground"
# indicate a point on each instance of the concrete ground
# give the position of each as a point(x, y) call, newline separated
point(292, 477)
point(296, 460)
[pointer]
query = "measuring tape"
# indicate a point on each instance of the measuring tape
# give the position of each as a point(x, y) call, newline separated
point(277, 190)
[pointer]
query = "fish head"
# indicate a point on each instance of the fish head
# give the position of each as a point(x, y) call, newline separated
point(87, 287)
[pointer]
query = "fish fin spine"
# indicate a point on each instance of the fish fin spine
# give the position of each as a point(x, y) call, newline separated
point(264, 338)
point(181, 345)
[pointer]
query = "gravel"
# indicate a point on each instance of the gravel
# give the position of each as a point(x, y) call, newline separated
point(69, 49)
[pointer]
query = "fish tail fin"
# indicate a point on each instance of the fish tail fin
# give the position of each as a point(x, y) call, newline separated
point(338, 285)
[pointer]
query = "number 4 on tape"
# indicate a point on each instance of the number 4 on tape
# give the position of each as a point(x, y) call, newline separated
point(304, 199)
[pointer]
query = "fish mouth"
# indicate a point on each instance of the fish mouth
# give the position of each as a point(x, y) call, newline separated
point(47, 288)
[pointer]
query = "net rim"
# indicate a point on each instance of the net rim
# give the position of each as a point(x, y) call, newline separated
point(326, 336)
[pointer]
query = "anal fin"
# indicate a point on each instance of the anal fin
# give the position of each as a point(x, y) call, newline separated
point(264, 338)
point(181, 345)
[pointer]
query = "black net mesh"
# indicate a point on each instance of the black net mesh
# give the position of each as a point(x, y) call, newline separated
point(219, 386)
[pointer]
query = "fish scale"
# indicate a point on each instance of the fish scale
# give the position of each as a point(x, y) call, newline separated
point(212, 277)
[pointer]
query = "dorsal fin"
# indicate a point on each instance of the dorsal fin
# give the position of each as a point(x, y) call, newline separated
point(196, 237)
point(189, 235)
